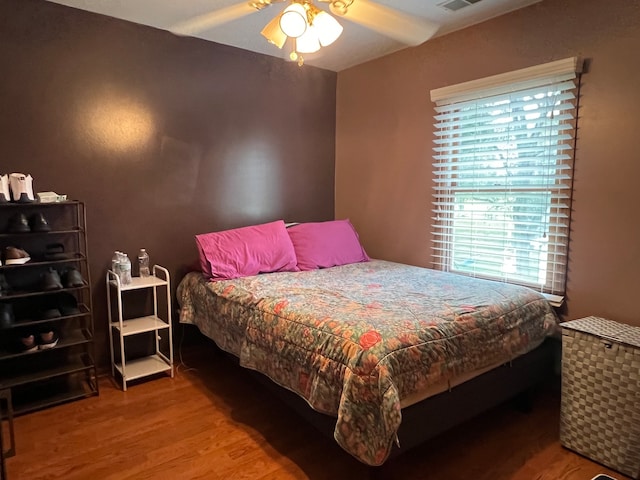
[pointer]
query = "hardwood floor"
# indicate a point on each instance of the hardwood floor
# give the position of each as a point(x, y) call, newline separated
point(215, 421)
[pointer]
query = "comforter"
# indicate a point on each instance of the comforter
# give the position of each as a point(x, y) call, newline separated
point(355, 340)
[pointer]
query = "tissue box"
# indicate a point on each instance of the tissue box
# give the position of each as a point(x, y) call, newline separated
point(50, 197)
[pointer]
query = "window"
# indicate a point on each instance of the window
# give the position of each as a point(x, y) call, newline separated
point(503, 175)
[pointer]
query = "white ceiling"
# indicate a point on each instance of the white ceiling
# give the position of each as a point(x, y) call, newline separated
point(357, 44)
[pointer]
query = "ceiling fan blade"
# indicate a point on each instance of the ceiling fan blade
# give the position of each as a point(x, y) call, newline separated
point(213, 19)
point(389, 22)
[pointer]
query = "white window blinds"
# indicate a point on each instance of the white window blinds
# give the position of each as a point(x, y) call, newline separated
point(503, 175)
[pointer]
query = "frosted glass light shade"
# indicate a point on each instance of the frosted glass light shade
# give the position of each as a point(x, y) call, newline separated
point(308, 42)
point(293, 20)
point(327, 27)
point(273, 33)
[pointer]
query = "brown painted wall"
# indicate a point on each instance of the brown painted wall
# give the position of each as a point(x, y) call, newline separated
point(384, 140)
point(163, 137)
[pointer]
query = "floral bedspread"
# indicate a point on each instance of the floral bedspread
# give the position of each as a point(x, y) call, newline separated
point(355, 340)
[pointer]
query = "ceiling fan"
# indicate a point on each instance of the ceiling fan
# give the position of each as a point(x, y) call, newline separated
point(312, 27)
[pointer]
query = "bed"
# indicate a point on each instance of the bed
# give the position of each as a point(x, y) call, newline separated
point(382, 355)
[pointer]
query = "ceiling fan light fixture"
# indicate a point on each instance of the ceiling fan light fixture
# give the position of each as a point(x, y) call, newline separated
point(327, 28)
point(308, 42)
point(310, 27)
point(273, 33)
point(293, 20)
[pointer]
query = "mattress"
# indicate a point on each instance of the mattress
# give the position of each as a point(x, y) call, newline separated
point(360, 341)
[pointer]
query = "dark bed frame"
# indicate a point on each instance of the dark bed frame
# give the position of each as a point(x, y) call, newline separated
point(436, 414)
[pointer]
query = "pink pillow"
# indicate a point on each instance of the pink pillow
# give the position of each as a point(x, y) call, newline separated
point(245, 251)
point(326, 244)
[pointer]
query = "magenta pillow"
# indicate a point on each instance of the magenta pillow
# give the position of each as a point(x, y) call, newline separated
point(326, 244)
point(245, 251)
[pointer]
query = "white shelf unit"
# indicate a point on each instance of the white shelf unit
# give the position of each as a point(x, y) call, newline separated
point(159, 322)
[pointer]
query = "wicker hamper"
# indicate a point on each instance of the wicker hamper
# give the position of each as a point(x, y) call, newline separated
point(600, 409)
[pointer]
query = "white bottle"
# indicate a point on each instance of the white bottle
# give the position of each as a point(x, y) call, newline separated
point(115, 262)
point(120, 265)
point(143, 263)
point(125, 270)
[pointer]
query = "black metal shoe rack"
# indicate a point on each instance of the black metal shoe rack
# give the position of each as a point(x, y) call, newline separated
point(31, 305)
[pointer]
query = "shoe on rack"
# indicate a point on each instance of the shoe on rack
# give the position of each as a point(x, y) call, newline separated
point(18, 224)
point(28, 343)
point(38, 223)
point(51, 280)
point(15, 256)
point(29, 182)
point(67, 304)
point(55, 251)
point(5, 288)
point(5, 196)
point(73, 278)
point(6, 315)
point(21, 187)
point(48, 308)
point(48, 339)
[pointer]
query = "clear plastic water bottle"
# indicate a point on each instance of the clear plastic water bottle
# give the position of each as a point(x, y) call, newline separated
point(115, 262)
point(125, 269)
point(120, 265)
point(143, 263)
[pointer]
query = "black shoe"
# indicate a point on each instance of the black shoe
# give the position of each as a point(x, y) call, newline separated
point(51, 280)
point(39, 223)
point(18, 224)
point(6, 315)
point(55, 251)
point(67, 304)
point(5, 288)
point(48, 308)
point(73, 278)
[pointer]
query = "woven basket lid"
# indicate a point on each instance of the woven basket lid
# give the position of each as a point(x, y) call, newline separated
point(609, 329)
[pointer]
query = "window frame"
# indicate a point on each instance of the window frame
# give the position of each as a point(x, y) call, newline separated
point(484, 90)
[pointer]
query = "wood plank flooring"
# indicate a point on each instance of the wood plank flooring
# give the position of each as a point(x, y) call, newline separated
point(214, 421)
